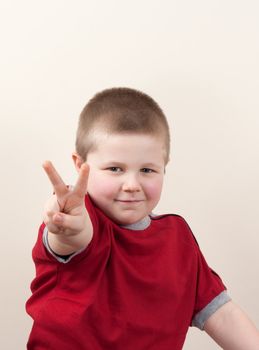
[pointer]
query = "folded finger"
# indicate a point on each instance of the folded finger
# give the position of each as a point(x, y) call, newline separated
point(68, 223)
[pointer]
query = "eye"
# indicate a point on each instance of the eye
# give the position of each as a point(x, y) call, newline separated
point(147, 170)
point(114, 169)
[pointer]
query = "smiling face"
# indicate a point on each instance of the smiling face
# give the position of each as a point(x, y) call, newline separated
point(126, 175)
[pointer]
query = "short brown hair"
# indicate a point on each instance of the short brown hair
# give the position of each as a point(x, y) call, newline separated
point(120, 110)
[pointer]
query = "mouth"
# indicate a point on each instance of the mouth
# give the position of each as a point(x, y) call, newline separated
point(129, 200)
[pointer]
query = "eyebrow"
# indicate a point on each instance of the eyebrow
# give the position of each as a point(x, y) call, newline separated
point(119, 164)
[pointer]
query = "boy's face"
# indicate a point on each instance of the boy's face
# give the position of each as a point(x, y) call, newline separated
point(126, 175)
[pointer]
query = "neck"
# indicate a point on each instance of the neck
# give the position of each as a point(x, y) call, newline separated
point(139, 225)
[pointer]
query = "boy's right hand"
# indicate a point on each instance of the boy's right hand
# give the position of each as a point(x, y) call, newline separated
point(65, 215)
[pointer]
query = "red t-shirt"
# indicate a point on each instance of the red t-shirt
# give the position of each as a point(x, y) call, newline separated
point(127, 290)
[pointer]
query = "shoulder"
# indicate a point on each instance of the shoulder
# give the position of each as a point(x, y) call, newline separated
point(168, 218)
point(175, 221)
point(177, 225)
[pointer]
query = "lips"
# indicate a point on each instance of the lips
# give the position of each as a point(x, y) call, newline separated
point(129, 200)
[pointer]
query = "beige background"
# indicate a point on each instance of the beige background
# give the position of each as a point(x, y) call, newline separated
point(198, 59)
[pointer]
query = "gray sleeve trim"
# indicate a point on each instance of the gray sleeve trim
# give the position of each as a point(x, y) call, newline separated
point(58, 258)
point(201, 317)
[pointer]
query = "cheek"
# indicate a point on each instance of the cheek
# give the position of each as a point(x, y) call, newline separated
point(100, 186)
point(154, 188)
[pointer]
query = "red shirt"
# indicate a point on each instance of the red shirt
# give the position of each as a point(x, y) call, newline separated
point(128, 290)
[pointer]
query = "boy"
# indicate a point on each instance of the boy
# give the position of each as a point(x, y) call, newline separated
point(109, 274)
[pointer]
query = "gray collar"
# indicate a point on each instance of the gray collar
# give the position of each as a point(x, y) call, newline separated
point(140, 225)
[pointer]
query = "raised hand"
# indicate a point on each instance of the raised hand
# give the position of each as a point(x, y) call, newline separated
point(65, 214)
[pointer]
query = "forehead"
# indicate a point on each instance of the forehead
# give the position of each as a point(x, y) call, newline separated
point(124, 146)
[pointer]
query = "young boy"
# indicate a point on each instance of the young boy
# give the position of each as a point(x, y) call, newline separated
point(110, 274)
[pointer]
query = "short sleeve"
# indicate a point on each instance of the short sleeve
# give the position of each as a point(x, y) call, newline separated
point(211, 292)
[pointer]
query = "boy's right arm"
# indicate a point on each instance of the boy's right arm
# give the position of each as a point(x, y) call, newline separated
point(65, 216)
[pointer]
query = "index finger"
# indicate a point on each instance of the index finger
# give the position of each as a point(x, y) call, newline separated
point(59, 186)
point(80, 188)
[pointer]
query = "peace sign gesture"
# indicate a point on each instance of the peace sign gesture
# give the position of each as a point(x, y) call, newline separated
point(68, 223)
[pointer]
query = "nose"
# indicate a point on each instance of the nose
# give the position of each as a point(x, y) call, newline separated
point(131, 184)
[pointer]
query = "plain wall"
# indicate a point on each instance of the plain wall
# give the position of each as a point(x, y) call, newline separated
point(198, 59)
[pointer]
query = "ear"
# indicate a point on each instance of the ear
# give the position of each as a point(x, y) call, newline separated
point(78, 161)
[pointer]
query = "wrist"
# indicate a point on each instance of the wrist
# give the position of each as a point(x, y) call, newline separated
point(66, 244)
